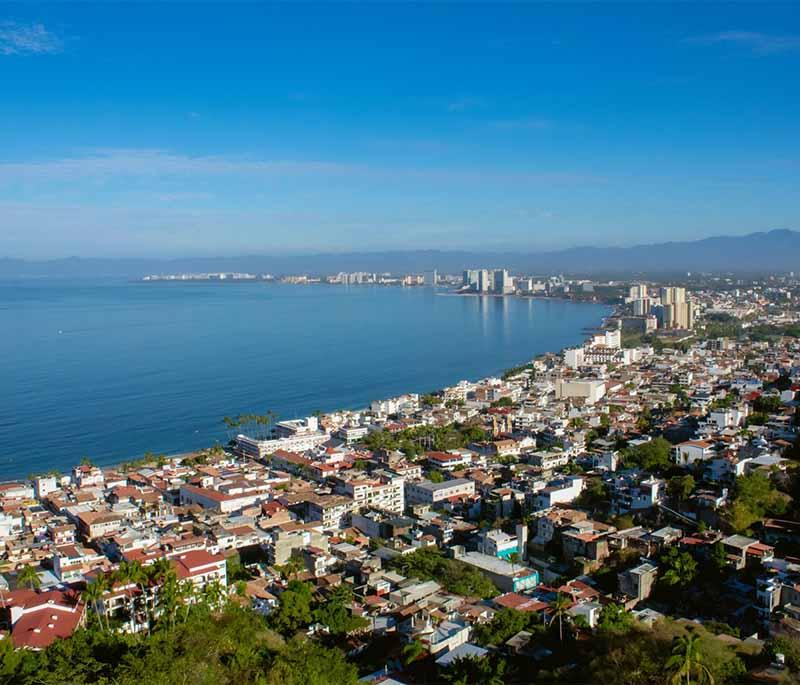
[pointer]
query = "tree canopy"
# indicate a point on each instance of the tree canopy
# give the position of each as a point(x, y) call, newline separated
point(754, 497)
point(505, 624)
point(455, 576)
point(653, 455)
point(233, 646)
point(413, 441)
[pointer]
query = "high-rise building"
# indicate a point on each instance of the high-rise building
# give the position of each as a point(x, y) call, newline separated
point(473, 280)
point(431, 278)
point(683, 315)
point(674, 311)
point(525, 285)
point(638, 292)
point(668, 316)
point(469, 278)
point(484, 281)
point(641, 306)
point(573, 357)
point(672, 295)
point(502, 282)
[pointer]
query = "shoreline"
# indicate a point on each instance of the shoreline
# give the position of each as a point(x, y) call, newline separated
point(116, 465)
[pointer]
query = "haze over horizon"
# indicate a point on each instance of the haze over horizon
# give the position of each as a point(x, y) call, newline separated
point(206, 130)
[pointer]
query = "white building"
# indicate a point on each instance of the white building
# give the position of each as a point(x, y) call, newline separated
point(589, 610)
point(731, 417)
point(222, 502)
point(637, 291)
point(610, 338)
point(387, 494)
point(497, 543)
point(351, 434)
point(726, 468)
point(561, 491)
point(333, 510)
point(548, 460)
point(296, 427)
point(606, 460)
point(426, 492)
point(588, 390)
point(44, 485)
point(574, 357)
point(691, 451)
point(395, 405)
point(645, 495)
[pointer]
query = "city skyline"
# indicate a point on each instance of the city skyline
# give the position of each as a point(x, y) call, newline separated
point(192, 131)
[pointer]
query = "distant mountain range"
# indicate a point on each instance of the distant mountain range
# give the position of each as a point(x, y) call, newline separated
point(773, 251)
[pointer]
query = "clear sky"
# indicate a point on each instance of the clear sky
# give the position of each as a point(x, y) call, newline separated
point(196, 129)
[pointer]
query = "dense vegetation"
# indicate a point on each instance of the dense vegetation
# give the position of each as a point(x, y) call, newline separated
point(231, 646)
point(619, 652)
point(653, 456)
point(753, 498)
point(721, 326)
point(414, 441)
point(505, 624)
point(299, 607)
point(763, 333)
point(454, 576)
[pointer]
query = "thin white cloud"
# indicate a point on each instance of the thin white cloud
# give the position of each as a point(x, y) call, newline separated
point(759, 43)
point(154, 163)
point(37, 231)
point(28, 39)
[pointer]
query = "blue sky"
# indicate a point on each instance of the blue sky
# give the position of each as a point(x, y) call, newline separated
point(141, 130)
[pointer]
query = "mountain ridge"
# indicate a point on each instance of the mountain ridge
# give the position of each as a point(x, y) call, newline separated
point(777, 250)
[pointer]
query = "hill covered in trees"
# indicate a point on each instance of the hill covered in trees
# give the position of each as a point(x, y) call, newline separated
point(233, 646)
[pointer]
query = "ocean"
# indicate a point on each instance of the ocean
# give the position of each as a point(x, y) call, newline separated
point(111, 369)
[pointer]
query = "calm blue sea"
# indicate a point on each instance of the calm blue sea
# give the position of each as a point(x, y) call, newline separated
point(110, 369)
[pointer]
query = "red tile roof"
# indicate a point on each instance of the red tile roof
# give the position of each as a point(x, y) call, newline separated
point(195, 562)
point(47, 616)
point(513, 600)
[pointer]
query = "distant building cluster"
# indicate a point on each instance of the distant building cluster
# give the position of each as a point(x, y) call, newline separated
point(665, 307)
point(496, 281)
point(219, 276)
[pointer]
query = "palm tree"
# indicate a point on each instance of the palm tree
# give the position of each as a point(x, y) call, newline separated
point(185, 594)
point(30, 577)
point(158, 573)
point(413, 651)
point(168, 597)
point(93, 595)
point(230, 426)
point(293, 566)
point(513, 559)
point(3, 588)
point(214, 594)
point(133, 572)
point(559, 607)
point(161, 568)
point(687, 659)
point(123, 576)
